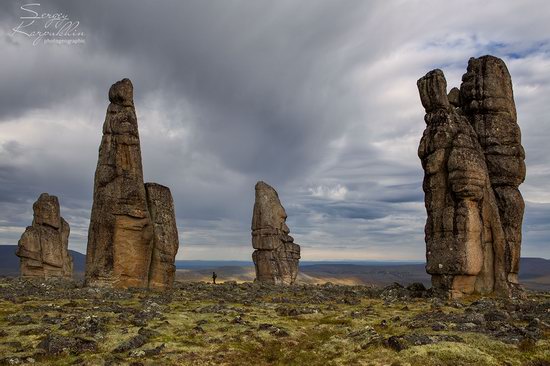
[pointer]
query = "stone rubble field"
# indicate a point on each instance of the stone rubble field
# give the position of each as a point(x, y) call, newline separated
point(58, 322)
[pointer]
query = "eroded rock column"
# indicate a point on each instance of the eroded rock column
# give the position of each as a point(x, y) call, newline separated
point(165, 236)
point(487, 99)
point(123, 234)
point(473, 234)
point(43, 247)
point(276, 256)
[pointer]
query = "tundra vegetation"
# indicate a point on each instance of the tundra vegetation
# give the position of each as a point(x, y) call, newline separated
point(57, 322)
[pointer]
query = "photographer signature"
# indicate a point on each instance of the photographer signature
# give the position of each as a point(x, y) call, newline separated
point(46, 26)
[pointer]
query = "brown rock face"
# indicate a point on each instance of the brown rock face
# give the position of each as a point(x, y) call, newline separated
point(43, 247)
point(123, 234)
point(473, 164)
point(165, 238)
point(276, 256)
point(488, 102)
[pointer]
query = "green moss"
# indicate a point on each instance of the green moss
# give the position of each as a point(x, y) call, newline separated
point(322, 338)
point(455, 354)
point(335, 321)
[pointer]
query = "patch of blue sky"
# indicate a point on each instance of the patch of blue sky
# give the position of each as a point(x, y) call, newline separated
point(517, 50)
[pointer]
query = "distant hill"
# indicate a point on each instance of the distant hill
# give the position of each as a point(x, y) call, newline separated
point(190, 264)
point(374, 274)
point(338, 273)
point(534, 274)
point(225, 273)
point(9, 262)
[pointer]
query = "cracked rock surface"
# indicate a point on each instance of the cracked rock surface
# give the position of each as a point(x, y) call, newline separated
point(132, 239)
point(43, 247)
point(473, 164)
point(276, 256)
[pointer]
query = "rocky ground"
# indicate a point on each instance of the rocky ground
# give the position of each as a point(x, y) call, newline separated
point(58, 323)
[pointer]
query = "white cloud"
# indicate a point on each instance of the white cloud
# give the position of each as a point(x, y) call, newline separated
point(336, 193)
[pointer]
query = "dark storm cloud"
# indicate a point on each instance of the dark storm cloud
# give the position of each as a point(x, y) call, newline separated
point(316, 98)
point(258, 94)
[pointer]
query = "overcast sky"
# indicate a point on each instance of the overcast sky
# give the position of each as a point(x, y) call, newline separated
point(317, 98)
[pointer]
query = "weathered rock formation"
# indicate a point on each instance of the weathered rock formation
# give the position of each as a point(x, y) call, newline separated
point(43, 246)
point(165, 235)
point(488, 102)
point(276, 256)
point(133, 239)
point(473, 163)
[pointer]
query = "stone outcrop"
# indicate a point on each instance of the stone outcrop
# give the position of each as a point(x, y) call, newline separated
point(276, 255)
point(133, 236)
point(488, 102)
point(43, 247)
point(165, 235)
point(473, 163)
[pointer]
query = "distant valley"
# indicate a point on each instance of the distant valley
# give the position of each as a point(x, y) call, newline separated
point(534, 274)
